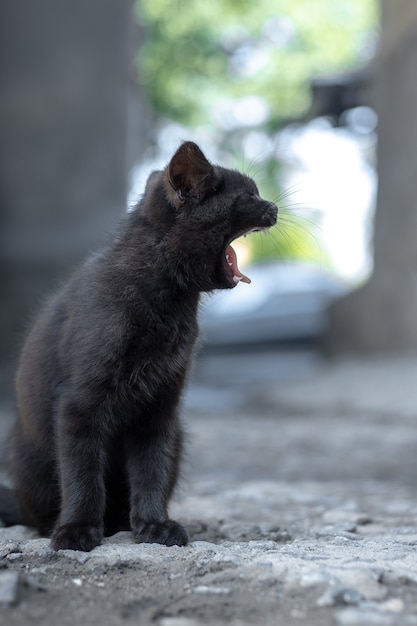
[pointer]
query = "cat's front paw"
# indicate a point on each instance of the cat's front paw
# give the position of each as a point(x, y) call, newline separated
point(73, 537)
point(169, 533)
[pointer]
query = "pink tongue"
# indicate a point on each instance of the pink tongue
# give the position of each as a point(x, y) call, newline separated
point(232, 262)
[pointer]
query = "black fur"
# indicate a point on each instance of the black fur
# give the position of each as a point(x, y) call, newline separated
point(97, 443)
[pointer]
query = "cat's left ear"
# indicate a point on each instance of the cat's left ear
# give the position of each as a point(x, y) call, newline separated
point(188, 173)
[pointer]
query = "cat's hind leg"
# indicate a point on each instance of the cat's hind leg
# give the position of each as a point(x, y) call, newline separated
point(35, 482)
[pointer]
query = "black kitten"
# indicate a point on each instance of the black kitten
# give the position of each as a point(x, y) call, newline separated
point(97, 444)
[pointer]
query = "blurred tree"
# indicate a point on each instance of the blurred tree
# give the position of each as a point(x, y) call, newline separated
point(382, 315)
point(244, 68)
point(201, 58)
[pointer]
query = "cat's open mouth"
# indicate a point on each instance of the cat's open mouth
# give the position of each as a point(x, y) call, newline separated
point(231, 268)
point(234, 271)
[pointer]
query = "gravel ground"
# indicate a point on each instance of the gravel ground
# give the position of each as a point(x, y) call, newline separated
point(299, 495)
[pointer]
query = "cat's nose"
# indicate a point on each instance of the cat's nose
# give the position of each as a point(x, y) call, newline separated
point(272, 212)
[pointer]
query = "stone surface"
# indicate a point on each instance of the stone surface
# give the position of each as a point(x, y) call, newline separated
point(303, 512)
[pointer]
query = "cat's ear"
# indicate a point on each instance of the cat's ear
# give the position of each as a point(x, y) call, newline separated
point(188, 172)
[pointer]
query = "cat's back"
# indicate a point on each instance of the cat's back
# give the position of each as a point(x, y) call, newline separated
point(41, 368)
point(38, 374)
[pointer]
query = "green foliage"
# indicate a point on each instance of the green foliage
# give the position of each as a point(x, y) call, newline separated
point(201, 59)
point(201, 52)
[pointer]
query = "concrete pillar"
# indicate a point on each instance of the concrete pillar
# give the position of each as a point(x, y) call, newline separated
point(66, 76)
point(382, 315)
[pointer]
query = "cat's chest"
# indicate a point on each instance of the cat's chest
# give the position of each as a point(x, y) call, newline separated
point(157, 356)
point(155, 333)
point(168, 346)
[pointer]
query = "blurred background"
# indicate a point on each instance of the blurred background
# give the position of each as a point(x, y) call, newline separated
point(315, 100)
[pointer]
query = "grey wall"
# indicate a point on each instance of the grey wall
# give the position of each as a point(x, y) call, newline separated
point(382, 315)
point(66, 72)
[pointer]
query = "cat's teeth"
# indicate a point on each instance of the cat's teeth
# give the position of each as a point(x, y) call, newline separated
point(237, 279)
point(257, 230)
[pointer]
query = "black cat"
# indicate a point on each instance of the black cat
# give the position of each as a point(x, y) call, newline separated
point(97, 443)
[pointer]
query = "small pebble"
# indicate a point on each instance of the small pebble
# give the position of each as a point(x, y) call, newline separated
point(219, 591)
point(368, 617)
point(76, 555)
point(14, 556)
point(395, 605)
point(177, 621)
point(340, 596)
point(9, 587)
